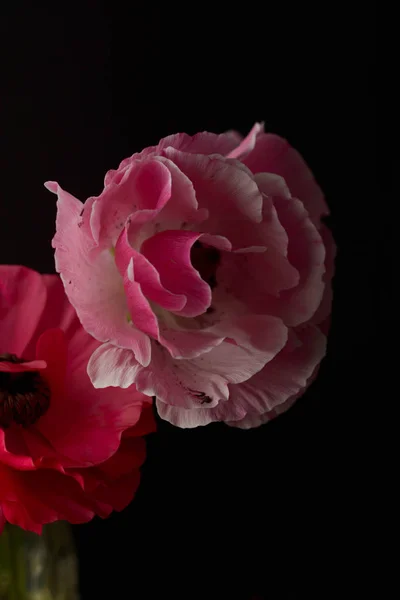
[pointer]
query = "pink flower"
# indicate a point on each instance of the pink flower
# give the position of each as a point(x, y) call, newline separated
point(205, 271)
point(67, 450)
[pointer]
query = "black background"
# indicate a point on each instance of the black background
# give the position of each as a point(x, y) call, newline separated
point(221, 513)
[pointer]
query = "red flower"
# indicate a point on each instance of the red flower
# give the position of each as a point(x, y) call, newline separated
point(67, 450)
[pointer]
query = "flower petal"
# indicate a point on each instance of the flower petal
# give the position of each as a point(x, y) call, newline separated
point(112, 366)
point(306, 252)
point(60, 498)
point(273, 154)
point(146, 275)
point(22, 301)
point(92, 282)
point(144, 186)
point(281, 379)
point(248, 143)
point(228, 192)
point(169, 253)
point(194, 384)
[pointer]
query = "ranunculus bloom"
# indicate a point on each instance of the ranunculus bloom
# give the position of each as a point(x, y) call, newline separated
point(67, 450)
point(205, 271)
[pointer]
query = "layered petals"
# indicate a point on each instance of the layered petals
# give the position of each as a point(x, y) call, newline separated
point(51, 467)
point(196, 267)
point(272, 154)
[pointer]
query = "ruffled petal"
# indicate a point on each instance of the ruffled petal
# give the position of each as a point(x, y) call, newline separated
point(169, 253)
point(144, 186)
point(60, 498)
point(22, 301)
point(112, 366)
point(285, 377)
point(273, 154)
point(306, 252)
point(252, 342)
point(247, 144)
point(146, 275)
point(92, 282)
point(229, 193)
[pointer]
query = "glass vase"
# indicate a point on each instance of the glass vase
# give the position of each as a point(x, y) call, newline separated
point(38, 567)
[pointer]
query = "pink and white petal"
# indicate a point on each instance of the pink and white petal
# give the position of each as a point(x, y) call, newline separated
point(144, 186)
point(22, 302)
point(182, 208)
point(146, 275)
point(229, 194)
point(190, 343)
point(140, 312)
point(112, 366)
point(92, 282)
point(199, 416)
point(202, 382)
point(272, 185)
point(251, 342)
point(180, 382)
point(201, 143)
point(306, 252)
point(253, 277)
point(169, 253)
point(273, 154)
point(247, 144)
point(282, 378)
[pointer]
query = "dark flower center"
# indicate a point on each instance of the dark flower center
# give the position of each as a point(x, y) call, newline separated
point(24, 396)
point(205, 260)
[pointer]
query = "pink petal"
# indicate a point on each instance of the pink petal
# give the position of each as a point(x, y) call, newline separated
point(22, 301)
point(86, 424)
point(169, 253)
point(248, 143)
point(58, 312)
point(60, 498)
point(190, 343)
point(273, 154)
point(229, 194)
point(254, 277)
point(32, 365)
point(144, 186)
point(257, 339)
point(321, 316)
point(112, 366)
point(146, 275)
point(306, 253)
point(179, 381)
point(140, 311)
point(182, 207)
point(268, 393)
point(92, 282)
point(286, 376)
point(13, 451)
point(201, 382)
point(201, 143)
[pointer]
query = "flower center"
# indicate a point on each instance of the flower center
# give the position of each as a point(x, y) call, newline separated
point(205, 260)
point(24, 396)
